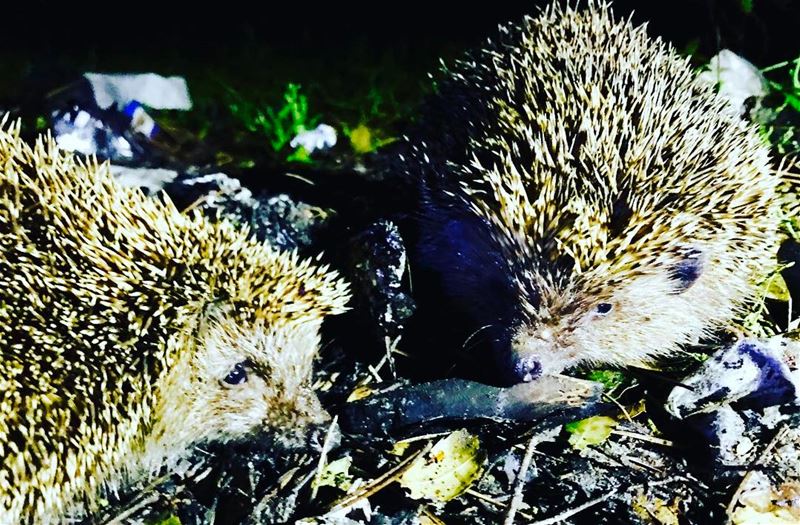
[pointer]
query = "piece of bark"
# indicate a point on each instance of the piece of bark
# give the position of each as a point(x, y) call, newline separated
point(556, 398)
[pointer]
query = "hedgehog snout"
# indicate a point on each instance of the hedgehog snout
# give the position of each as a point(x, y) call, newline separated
point(301, 422)
point(526, 368)
point(538, 350)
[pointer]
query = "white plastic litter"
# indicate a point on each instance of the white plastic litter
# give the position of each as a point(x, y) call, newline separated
point(321, 137)
point(152, 90)
point(736, 372)
point(76, 135)
point(737, 78)
point(151, 179)
point(228, 186)
point(79, 133)
point(734, 444)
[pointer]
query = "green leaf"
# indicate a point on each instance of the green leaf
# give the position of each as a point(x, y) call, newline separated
point(793, 100)
point(361, 139)
point(169, 520)
point(777, 289)
point(336, 474)
point(610, 379)
point(590, 431)
point(299, 155)
point(447, 470)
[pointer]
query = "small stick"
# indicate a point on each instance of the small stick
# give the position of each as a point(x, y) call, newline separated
point(379, 483)
point(136, 503)
point(433, 519)
point(571, 512)
point(519, 483)
point(641, 465)
point(375, 369)
point(391, 345)
point(772, 444)
point(644, 437)
point(300, 177)
point(619, 405)
point(122, 517)
point(495, 502)
point(323, 457)
point(197, 202)
point(423, 437)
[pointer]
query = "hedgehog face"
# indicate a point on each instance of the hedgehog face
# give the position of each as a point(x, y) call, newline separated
point(242, 379)
point(259, 377)
point(646, 314)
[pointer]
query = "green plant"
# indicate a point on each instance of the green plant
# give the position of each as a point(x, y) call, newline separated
point(277, 124)
point(365, 139)
point(746, 6)
point(782, 127)
point(168, 520)
point(789, 88)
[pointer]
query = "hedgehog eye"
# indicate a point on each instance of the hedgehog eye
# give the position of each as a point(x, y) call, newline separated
point(237, 375)
point(603, 308)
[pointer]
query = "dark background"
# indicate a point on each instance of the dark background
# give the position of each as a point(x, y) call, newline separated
point(357, 63)
point(52, 33)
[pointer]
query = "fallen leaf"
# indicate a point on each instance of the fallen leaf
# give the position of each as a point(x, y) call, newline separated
point(336, 474)
point(447, 470)
point(590, 431)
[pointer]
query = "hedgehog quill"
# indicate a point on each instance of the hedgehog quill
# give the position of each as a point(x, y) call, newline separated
point(586, 199)
point(130, 331)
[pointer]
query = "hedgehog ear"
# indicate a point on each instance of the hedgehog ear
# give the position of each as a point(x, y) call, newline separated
point(686, 271)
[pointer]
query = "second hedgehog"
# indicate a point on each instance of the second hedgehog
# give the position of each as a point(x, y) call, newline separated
point(584, 198)
point(130, 331)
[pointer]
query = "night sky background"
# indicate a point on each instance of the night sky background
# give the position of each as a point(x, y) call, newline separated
point(766, 30)
point(357, 64)
point(249, 44)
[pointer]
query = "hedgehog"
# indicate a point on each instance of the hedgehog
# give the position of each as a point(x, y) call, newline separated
point(130, 332)
point(583, 198)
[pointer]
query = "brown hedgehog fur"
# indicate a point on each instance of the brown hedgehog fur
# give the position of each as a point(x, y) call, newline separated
point(586, 199)
point(130, 331)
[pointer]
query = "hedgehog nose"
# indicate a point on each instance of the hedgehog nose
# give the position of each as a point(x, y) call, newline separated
point(526, 368)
